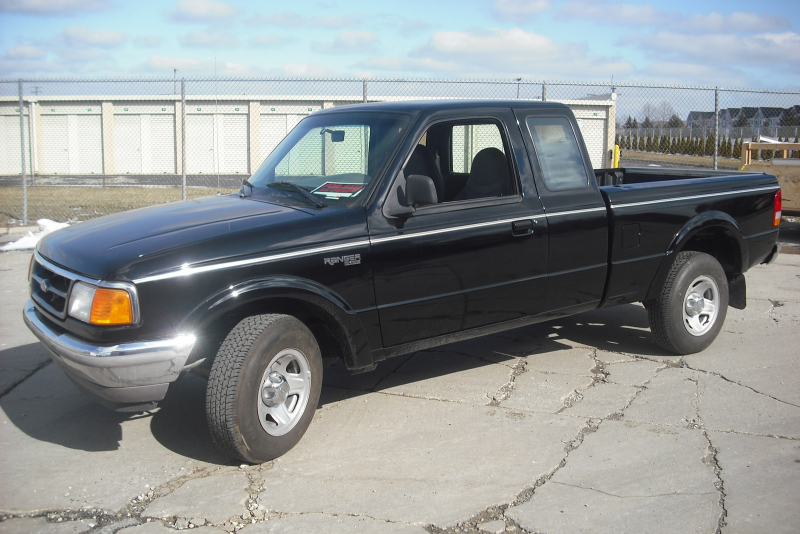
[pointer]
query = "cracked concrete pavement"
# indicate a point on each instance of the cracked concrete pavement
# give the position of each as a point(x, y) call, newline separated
point(577, 425)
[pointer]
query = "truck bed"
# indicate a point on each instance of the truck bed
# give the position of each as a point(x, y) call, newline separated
point(647, 205)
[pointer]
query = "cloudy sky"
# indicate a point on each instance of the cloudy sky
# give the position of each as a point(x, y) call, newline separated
point(677, 41)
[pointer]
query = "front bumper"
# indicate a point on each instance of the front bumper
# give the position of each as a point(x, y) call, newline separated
point(124, 376)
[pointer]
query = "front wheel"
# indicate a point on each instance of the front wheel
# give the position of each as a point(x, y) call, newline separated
point(263, 387)
point(691, 308)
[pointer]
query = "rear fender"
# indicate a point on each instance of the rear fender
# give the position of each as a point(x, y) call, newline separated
point(279, 294)
point(718, 221)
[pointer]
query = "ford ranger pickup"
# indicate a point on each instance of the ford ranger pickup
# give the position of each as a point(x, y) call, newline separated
point(375, 230)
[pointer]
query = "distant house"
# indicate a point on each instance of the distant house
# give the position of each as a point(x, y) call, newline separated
point(771, 117)
point(747, 117)
point(700, 119)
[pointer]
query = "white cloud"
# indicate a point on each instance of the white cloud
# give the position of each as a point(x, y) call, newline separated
point(83, 36)
point(293, 20)
point(617, 13)
point(184, 64)
point(737, 22)
point(25, 51)
point(209, 40)
point(647, 15)
point(678, 73)
point(13, 67)
point(202, 11)
point(406, 64)
point(165, 64)
point(713, 49)
point(148, 41)
point(515, 10)
point(266, 40)
point(306, 69)
point(348, 42)
point(51, 7)
point(332, 22)
point(516, 52)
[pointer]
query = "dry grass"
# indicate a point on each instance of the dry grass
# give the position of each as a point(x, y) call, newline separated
point(82, 203)
point(682, 159)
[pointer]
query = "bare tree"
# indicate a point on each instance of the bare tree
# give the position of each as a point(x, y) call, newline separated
point(659, 113)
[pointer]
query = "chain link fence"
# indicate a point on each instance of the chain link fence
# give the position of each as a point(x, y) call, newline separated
point(71, 150)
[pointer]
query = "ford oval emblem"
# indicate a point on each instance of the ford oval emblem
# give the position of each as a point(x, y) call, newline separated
point(43, 285)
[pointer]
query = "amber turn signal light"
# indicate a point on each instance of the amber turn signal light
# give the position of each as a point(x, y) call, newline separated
point(111, 306)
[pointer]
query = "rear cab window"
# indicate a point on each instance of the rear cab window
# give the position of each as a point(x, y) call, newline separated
point(558, 153)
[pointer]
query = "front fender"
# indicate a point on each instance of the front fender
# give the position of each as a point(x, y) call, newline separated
point(717, 220)
point(258, 293)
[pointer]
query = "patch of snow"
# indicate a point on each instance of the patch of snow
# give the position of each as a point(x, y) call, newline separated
point(29, 240)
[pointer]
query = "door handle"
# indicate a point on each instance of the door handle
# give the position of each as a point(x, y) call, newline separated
point(520, 228)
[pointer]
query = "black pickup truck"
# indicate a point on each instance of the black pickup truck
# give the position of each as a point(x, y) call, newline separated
point(375, 230)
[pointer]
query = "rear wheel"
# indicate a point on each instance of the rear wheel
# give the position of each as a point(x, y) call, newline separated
point(690, 311)
point(263, 387)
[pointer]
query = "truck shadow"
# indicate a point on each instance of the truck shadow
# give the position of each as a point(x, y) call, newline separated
point(49, 408)
point(618, 329)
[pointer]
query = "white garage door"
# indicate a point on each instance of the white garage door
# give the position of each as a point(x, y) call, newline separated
point(55, 145)
point(232, 144)
point(144, 144)
point(200, 139)
point(10, 155)
point(72, 144)
point(86, 144)
point(128, 144)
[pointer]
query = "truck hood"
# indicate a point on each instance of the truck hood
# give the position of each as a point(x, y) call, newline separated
point(114, 246)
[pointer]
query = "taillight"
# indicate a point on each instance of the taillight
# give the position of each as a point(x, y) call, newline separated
point(776, 210)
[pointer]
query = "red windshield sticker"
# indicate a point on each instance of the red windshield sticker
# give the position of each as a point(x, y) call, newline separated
point(333, 189)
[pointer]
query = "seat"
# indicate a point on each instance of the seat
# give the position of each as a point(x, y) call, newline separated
point(488, 177)
point(422, 162)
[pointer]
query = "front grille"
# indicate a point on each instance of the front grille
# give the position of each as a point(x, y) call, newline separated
point(50, 290)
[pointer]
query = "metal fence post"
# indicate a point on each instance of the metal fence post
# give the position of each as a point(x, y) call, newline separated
point(365, 91)
point(716, 126)
point(544, 92)
point(183, 138)
point(22, 151)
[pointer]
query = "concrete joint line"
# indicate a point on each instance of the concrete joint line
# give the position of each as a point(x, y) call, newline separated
point(591, 426)
point(630, 496)
point(505, 391)
point(726, 379)
point(24, 378)
point(710, 457)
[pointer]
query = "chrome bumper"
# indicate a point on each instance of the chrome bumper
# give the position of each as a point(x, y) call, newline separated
point(125, 373)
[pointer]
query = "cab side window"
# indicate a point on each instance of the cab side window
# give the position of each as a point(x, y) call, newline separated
point(559, 156)
point(465, 159)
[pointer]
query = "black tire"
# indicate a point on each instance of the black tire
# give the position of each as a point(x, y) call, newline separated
point(694, 332)
point(234, 404)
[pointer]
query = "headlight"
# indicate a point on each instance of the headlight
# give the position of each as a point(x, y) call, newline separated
point(100, 305)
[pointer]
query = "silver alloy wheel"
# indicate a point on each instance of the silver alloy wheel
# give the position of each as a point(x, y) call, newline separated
point(283, 393)
point(700, 305)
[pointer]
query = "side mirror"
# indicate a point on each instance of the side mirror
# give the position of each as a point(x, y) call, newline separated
point(420, 190)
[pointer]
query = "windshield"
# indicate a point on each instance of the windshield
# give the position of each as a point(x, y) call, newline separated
point(334, 157)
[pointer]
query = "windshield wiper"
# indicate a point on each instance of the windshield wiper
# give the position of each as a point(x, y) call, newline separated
point(283, 186)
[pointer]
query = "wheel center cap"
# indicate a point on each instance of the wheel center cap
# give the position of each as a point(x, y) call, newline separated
point(275, 390)
point(695, 304)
